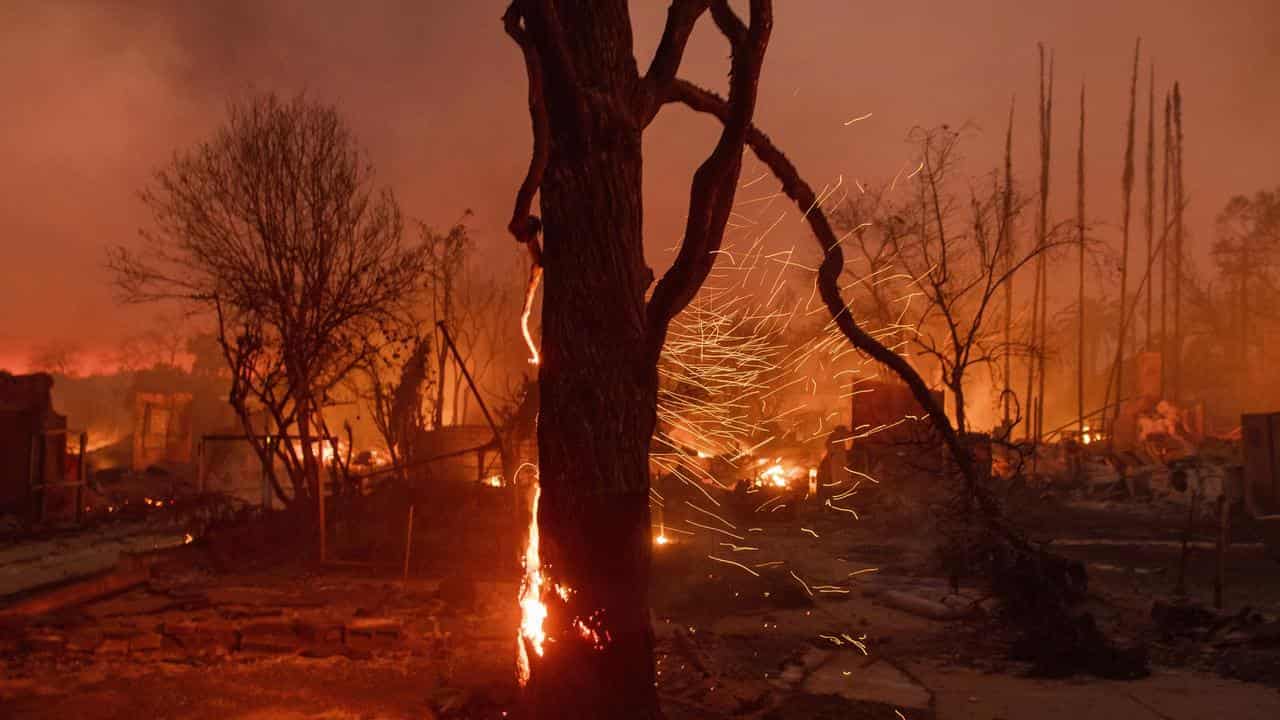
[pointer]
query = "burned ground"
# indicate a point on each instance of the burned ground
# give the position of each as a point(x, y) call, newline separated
point(215, 632)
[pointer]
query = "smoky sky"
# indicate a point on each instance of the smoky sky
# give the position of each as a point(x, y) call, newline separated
point(94, 96)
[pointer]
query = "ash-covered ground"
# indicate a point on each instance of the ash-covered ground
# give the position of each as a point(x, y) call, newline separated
point(815, 615)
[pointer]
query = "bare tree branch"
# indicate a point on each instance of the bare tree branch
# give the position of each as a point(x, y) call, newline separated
point(682, 16)
point(274, 226)
point(524, 225)
point(729, 23)
point(715, 181)
point(802, 195)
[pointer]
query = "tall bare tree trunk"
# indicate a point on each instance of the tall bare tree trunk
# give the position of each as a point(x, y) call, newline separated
point(1042, 233)
point(598, 397)
point(596, 417)
point(1033, 358)
point(1179, 199)
point(601, 340)
point(597, 388)
point(1151, 202)
point(1127, 197)
point(1080, 290)
point(1006, 239)
point(1165, 345)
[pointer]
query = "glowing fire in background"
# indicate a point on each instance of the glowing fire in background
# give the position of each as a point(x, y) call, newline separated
point(1088, 436)
point(532, 610)
point(778, 474)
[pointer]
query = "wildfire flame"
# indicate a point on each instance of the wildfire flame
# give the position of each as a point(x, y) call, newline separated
point(532, 610)
point(777, 474)
point(535, 276)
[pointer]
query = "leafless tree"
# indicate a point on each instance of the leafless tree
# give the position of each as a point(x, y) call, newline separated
point(1247, 254)
point(960, 255)
point(274, 227)
point(58, 357)
point(1180, 201)
point(161, 345)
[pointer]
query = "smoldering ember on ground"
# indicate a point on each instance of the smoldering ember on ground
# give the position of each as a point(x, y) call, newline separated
point(675, 407)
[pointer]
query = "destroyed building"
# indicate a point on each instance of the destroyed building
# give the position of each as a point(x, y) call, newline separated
point(33, 446)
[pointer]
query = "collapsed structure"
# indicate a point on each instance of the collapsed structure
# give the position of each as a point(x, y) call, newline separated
point(35, 475)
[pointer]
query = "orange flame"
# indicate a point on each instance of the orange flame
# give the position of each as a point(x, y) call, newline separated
point(532, 610)
point(535, 276)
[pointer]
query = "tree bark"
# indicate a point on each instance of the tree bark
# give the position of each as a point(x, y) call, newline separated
point(597, 414)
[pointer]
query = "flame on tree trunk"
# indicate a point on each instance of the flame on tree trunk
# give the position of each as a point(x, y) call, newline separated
point(586, 642)
point(597, 413)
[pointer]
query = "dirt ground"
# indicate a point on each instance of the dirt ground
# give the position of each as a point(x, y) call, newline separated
point(794, 619)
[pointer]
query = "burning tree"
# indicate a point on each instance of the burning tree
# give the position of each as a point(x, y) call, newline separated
point(275, 229)
point(586, 637)
point(592, 654)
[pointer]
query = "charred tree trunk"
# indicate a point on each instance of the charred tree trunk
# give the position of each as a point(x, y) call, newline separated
point(1164, 248)
point(598, 389)
point(1150, 208)
point(1006, 241)
point(597, 414)
point(601, 340)
point(1042, 238)
point(1126, 186)
point(1179, 200)
point(1080, 288)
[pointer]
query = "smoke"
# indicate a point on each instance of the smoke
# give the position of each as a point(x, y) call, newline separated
point(99, 93)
